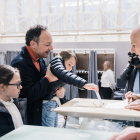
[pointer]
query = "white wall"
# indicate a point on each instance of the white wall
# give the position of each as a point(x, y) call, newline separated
point(121, 49)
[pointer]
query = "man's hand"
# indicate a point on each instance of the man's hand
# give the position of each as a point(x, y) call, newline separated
point(134, 96)
point(91, 87)
point(130, 133)
point(50, 75)
point(129, 59)
point(134, 105)
point(60, 92)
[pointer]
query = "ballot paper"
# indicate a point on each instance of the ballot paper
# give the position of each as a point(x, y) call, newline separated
point(118, 105)
point(90, 104)
point(81, 104)
point(99, 98)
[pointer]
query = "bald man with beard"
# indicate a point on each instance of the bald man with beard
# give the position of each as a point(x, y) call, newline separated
point(132, 133)
point(135, 43)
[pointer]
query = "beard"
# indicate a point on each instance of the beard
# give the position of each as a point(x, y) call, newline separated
point(43, 54)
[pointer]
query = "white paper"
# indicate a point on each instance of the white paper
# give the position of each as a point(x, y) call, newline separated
point(90, 104)
point(118, 105)
point(81, 104)
point(99, 98)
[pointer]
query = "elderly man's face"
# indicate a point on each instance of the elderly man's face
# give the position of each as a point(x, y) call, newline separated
point(135, 43)
point(44, 45)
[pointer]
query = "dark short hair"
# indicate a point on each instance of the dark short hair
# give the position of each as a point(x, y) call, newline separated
point(34, 33)
point(7, 73)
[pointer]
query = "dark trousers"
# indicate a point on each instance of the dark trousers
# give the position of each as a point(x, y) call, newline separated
point(107, 92)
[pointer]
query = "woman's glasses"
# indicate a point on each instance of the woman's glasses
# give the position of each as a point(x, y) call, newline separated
point(18, 84)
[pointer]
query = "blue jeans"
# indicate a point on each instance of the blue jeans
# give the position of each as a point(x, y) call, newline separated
point(49, 117)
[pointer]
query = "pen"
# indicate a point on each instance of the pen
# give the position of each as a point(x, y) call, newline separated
point(130, 98)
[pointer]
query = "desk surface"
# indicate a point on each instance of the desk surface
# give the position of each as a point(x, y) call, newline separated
point(88, 109)
point(48, 133)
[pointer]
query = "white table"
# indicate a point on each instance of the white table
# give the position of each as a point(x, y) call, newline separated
point(88, 109)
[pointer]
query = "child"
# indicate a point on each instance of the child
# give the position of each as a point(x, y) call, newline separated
point(61, 67)
point(12, 110)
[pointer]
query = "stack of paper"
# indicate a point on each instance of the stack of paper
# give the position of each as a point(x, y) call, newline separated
point(117, 105)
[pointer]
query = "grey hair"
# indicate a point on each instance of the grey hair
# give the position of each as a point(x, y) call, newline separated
point(108, 64)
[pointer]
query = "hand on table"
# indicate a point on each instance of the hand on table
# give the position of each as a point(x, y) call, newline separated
point(91, 87)
point(130, 133)
point(134, 105)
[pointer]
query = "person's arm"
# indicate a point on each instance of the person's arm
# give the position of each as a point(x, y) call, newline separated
point(111, 79)
point(130, 133)
point(57, 68)
point(32, 91)
point(21, 104)
point(132, 95)
point(125, 75)
point(60, 93)
point(134, 105)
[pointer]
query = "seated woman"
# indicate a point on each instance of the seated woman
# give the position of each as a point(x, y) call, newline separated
point(12, 110)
